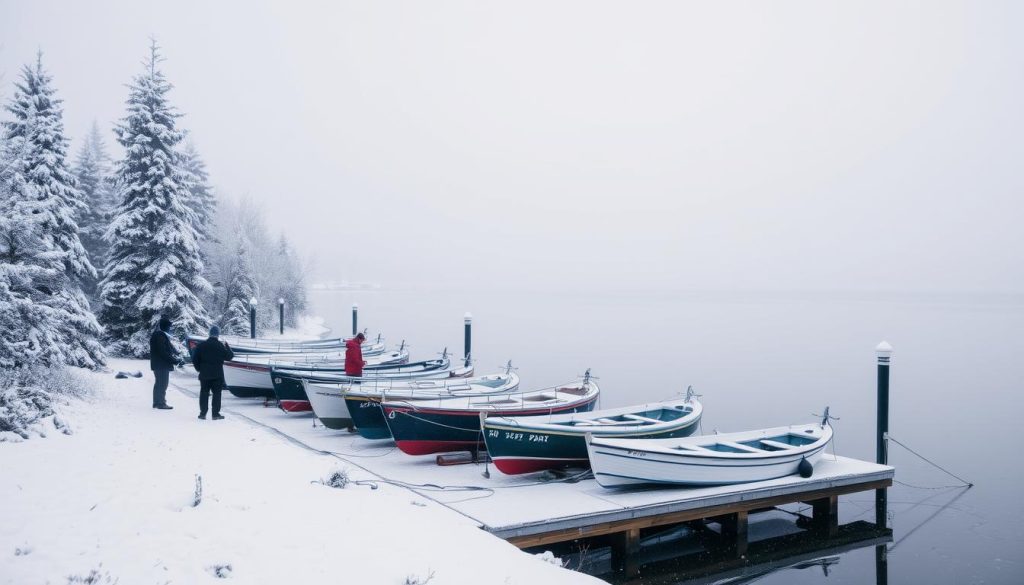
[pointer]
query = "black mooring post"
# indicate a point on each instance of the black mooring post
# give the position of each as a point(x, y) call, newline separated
point(884, 353)
point(355, 319)
point(467, 338)
point(252, 318)
point(280, 313)
point(881, 564)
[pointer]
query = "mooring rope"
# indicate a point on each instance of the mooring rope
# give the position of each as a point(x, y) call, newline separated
point(932, 463)
point(930, 487)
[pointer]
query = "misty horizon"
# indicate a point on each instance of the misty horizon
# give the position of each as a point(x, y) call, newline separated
point(554, 147)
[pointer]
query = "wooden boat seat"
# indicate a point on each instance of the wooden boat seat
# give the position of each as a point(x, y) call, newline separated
point(692, 448)
point(740, 447)
point(424, 383)
point(538, 398)
point(776, 444)
point(643, 418)
point(604, 422)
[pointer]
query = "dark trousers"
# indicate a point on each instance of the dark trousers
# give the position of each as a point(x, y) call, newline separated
point(205, 387)
point(160, 387)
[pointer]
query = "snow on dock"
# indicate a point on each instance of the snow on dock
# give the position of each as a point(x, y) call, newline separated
point(529, 512)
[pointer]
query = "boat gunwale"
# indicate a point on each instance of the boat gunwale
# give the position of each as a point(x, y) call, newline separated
point(820, 443)
point(618, 431)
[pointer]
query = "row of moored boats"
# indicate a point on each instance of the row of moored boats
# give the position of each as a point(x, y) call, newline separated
point(441, 405)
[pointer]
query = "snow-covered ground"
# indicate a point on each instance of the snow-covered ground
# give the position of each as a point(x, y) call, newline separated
point(115, 499)
point(308, 327)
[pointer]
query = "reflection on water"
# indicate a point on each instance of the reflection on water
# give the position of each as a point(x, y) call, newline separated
point(773, 359)
point(692, 554)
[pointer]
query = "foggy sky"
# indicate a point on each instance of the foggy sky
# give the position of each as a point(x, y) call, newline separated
point(555, 144)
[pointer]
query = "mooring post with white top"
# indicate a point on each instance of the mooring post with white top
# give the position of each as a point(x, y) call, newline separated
point(467, 338)
point(884, 353)
point(252, 318)
point(355, 319)
point(280, 313)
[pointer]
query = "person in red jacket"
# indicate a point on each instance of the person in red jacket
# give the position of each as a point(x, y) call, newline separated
point(354, 356)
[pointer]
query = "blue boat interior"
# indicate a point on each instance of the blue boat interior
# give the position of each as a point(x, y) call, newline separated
point(490, 383)
point(646, 417)
point(776, 443)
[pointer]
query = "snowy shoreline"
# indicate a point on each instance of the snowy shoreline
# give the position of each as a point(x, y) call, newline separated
point(114, 499)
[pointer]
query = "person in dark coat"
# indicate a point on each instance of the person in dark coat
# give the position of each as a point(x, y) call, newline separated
point(208, 359)
point(354, 356)
point(162, 358)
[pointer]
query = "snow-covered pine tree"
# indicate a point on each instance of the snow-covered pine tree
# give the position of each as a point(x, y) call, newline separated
point(291, 281)
point(51, 199)
point(92, 169)
point(45, 257)
point(30, 332)
point(154, 266)
point(238, 291)
point(201, 200)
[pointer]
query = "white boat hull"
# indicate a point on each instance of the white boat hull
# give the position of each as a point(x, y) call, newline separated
point(328, 405)
point(624, 462)
point(248, 376)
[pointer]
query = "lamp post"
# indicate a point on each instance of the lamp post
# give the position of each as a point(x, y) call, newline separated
point(252, 317)
point(280, 313)
point(467, 337)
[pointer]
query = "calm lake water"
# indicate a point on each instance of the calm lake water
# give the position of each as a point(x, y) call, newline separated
point(767, 359)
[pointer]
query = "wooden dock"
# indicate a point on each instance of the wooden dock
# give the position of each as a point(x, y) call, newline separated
point(728, 506)
point(529, 512)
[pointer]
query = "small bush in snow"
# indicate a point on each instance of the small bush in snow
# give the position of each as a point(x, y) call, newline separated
point(417, 580)
point(95, 577)
point(197, 496)
point(549, 557)
point(338, 479)
point(22, 550)
point(220, 571)
point(27, 396)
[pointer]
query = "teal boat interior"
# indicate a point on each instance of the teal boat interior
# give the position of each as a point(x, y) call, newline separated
point(766, 444)
point(653, 416)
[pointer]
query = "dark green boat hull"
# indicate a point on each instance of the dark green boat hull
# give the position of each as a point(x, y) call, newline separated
point(521, 450)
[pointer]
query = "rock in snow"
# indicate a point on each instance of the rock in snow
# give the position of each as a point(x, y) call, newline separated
point(113, 503)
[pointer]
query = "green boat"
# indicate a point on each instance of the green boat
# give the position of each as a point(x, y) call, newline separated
point(535, 443)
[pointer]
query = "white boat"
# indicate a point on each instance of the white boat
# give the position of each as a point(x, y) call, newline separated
point(260, 346)
point(364, 400)
point(721, 459)
point(248, 376)
point(327, 396)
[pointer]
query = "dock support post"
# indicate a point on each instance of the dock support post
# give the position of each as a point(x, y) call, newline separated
point(826, 516)
point(625, 546)
point(734, 533)
point(884, 354)
point(467, 338)
point(355, 319)
point(881, 565)
point(280, 313)
point(252, 318)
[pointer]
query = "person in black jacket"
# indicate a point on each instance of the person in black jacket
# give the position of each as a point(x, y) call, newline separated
point(208, 359)
point(162, 358)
